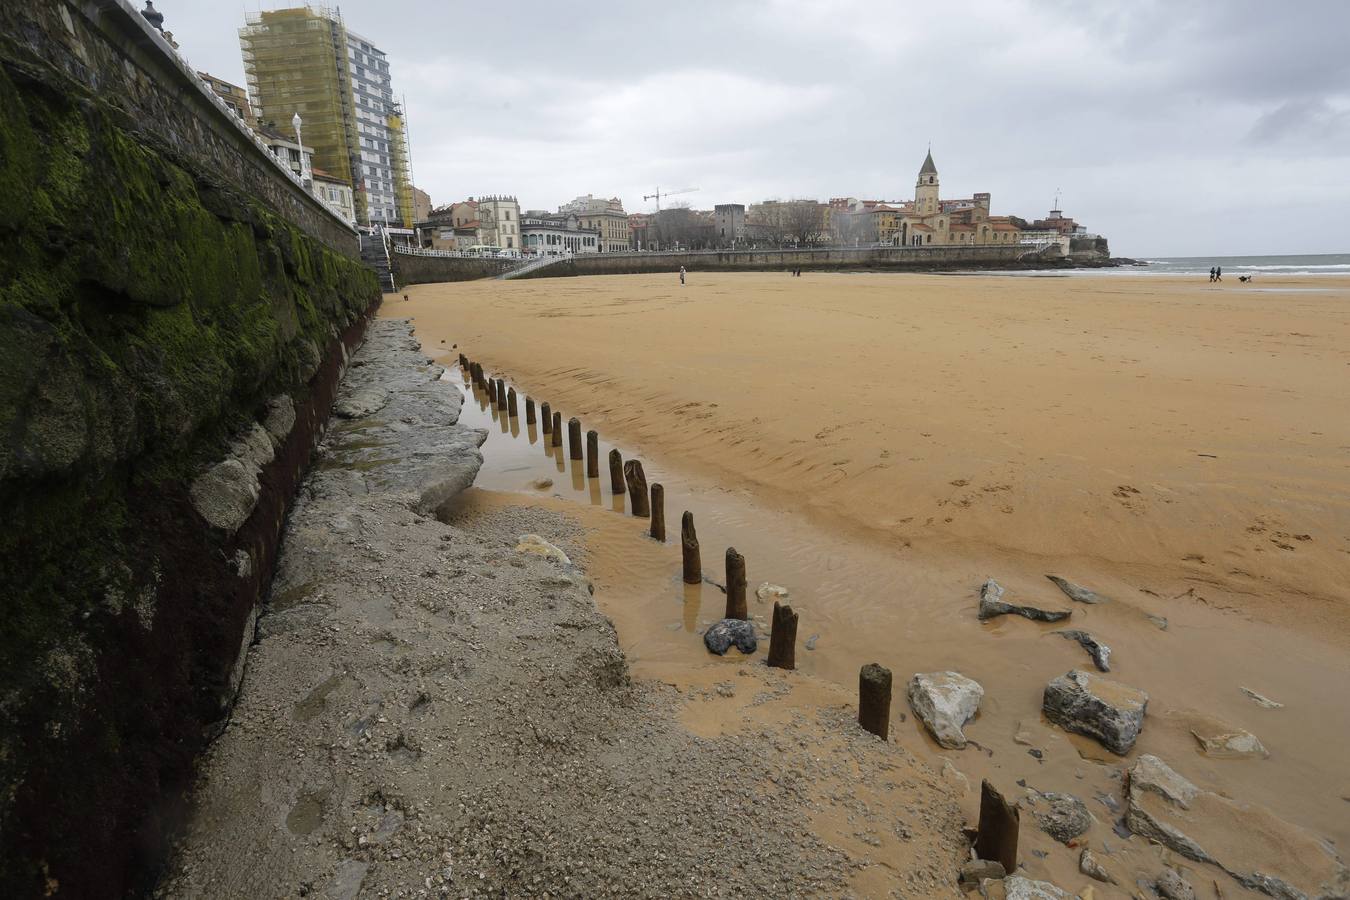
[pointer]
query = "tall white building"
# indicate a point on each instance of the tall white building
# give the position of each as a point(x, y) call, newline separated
point(379, 144)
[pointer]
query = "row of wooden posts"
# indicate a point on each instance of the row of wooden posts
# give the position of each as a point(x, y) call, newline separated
point(998, 826)
point(646, 502)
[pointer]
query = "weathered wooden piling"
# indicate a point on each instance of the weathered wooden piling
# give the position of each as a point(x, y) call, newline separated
point(783, 639)
point(592, 454)
point(637, 488)
point(557, 429)
point(736, 608)
point(659, 513)
point(547, 415)
point(874, 699)
point(616, 482)
point(574, 438)
point(997, 835)
point(693, 563)
point(529, 410)
point(511, 403)
point(501, 393)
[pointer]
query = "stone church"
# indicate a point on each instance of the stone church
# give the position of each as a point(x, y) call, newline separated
point(930, 220)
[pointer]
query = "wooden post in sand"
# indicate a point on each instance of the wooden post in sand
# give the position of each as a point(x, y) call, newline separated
point(501, 393)
point(637, 488)
point(557, 429)
point(736, 608)
point(529, 410)
point(658, 513)
point(547, 415)
point(874, 699)
point(997, 835)
point(592, 454)
point(616, 471)
point(783, 639)
point(511, 403)
point(693, 564)
point(574, 438)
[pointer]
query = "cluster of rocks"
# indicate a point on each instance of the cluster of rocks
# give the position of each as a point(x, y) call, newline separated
point(1275, 858)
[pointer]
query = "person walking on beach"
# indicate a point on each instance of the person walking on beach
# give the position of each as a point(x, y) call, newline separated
point(1218, 273)
point(1211, 274)
point(681, 275)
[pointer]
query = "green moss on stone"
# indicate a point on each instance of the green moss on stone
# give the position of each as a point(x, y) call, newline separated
point(145, 312)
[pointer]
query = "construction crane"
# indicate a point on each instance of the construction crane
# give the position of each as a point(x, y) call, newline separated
point(659, 194)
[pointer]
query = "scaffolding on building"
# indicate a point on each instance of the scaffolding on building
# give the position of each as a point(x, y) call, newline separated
point(295, 61)
point(402, 165)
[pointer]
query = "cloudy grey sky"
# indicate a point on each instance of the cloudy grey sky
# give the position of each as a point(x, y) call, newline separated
point(1175, 128)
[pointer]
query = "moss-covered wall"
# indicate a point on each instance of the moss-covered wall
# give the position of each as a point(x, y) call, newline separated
point(146, 312)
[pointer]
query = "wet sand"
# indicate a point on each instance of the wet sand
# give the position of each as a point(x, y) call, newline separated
point(882, 444)
point(1145, 427)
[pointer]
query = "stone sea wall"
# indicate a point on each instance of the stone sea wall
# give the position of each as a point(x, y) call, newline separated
point(410, 269)
point(884, 258)
point(171, 335)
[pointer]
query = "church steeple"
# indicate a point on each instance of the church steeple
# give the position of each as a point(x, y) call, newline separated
point(926, 188)
point(928, 167)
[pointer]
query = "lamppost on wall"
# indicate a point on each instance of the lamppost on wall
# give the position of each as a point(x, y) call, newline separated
point(304, 170)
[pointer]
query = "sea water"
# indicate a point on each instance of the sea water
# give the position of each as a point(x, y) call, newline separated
point(1233, 266)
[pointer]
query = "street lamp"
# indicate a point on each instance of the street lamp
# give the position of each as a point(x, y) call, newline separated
point(300, 145)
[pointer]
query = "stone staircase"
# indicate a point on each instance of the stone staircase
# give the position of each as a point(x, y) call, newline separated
point(375, 255)
point(533, 265)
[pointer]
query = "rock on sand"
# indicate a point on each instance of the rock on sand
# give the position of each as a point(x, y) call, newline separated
point(723, 634)
point(1100, 653)
point(1018, 887)
point(533, 543)
point(1264, 853)
point(1077, 593)
point(1064, 817)
point(945, 701)
point(1084, 703)
point(992, 604)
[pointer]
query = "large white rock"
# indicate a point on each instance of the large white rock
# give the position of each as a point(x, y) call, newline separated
point(1018, 887)
point(944, 702)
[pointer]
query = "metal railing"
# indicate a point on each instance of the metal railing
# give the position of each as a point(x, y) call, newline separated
point(449, 254)
point(534, 264)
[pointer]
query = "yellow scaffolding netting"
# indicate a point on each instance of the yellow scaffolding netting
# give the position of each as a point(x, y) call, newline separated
point(295, 61)
point(403, 188)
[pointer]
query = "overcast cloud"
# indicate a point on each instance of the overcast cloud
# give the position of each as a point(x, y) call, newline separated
point(1174, 128)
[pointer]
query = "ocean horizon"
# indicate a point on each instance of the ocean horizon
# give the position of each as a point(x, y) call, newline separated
point(1269, 264)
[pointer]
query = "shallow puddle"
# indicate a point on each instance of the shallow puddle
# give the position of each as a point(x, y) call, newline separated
point(860, 601)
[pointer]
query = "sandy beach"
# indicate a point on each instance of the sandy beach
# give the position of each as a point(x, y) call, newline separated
point(1146, 427)
point(883, 443)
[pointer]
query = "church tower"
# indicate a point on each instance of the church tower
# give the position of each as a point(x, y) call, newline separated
point(926, 189)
